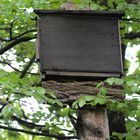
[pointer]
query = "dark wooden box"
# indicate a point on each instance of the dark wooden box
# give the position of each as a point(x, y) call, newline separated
point(79, 43)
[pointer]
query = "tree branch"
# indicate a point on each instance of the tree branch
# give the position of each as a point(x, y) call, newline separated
point(131, 19)
point(132, 35)
point(33, 30)
point(6, 63)
point(27, 124)
point(4, 39)
point(39, 128)
point(6, 28)
point(15, 42)
point(59, 136)
point(27, 67)
point(33, 125)
point(73, 121)
point(18, 36)
point(23, 112)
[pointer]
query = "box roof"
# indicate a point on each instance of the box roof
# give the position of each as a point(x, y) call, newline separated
point(117, 14)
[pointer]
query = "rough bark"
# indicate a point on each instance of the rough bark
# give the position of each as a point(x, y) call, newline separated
point(93, 124)
point(116, 122)
point(71, 91)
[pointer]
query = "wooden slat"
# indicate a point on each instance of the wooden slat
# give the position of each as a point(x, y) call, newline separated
point(70, 11)
point(82, 74)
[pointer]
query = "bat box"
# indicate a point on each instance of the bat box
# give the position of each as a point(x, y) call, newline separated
point(79, 44)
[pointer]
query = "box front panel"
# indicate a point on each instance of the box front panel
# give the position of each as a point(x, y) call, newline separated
point(79, 44)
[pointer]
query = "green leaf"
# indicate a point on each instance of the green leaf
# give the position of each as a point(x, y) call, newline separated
point(17, 110)
point(59, 103)
point(99, 84)
point(115, 81)
point(131, 6)
point(103, 91)
point(47, 124)
point(121, 105)
point(100, 101)
point(7, 111)
point(76, 1)
point(52, 94)
point(81, 102)
point(89, 98)
point(64, 112)
point(94, 6)
point(40, 90)
point(75, 104)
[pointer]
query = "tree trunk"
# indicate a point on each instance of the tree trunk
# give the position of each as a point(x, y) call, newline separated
point(93, 124)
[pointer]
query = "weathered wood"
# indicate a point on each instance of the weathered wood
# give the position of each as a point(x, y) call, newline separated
point(93, 124)
point(82, 42)
point(84, 74)
point(72, 11)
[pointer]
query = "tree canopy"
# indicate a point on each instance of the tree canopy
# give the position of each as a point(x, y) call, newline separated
point(26, 110)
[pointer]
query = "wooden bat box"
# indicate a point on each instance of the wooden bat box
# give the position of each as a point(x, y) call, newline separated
point(79, 44)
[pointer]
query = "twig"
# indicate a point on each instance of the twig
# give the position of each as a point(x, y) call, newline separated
point(33, 30)
point(73, 121)
point(13, 38)
point(11, 28)
point(6, 63)
point(131, 19)
point(26, 123)
point(27, 67)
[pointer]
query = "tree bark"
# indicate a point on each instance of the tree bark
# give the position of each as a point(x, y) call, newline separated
point(93, 124)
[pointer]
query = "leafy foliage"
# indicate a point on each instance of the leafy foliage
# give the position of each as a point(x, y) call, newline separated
point(25, 104)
